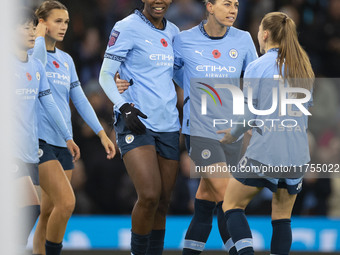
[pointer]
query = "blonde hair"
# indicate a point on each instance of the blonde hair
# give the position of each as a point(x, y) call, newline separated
point(294, 58)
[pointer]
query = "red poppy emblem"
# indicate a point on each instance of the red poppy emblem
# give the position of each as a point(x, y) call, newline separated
point(164, 43)
point(216, 53)
point(112, 41)
point(55, 63)
point(29, 77)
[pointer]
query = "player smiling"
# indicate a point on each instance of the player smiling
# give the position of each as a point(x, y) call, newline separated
point(147, 124)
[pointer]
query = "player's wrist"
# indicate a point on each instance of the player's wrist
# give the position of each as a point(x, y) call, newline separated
point(101, 134)
point(124, 107)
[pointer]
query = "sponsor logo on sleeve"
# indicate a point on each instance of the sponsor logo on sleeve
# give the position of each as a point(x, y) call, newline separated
point(113, 37)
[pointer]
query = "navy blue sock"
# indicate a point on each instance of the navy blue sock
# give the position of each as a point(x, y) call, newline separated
point(200, 227)
point(222, 227)
point(239, 230)
point(53, 248)
point(156, 242)
point(139, 243)
point(29, 216)
point(282, 237)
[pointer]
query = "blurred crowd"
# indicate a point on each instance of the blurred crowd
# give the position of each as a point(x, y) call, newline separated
point(103, 187)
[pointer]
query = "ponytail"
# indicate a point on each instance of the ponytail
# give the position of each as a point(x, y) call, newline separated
point(297, 67)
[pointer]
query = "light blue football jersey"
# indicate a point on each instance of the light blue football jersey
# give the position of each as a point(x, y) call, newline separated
point(214, 58)
point(64, 83)
point(30, 84)
point(277, 139)
point(146, 56)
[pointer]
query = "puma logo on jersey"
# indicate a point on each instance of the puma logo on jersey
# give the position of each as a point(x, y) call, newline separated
point(199, 52)
point(147, 41)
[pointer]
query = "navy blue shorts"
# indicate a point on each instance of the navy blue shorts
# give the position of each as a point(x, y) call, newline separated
point(49, 152)
point(260, 180)
point(205, 151)
point(20, 168)
point(166, 143)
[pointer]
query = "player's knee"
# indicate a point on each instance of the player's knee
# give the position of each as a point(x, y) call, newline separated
point(282, 214)
point(204, 195)
point(68, 206)
point(68, 209)
point(44, 216)
point(219, 196)
point(163, 206)
point(45, 212)
point(148, 200)
point(281, 211)
point(227, 205)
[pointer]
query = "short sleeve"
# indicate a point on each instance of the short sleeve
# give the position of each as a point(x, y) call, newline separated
point(251, 54)
point(120, 42)
point(178, 63)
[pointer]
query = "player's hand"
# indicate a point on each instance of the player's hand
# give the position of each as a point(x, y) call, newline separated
point(122, 85)
point(228, 138)
point(74, 149)
point(132, 122)
point(41, 29)
point(107, 144)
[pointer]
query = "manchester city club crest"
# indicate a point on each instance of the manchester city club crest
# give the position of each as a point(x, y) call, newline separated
point(40, 153)
point(129, 138)
point(233, 53)
point(206, 154)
